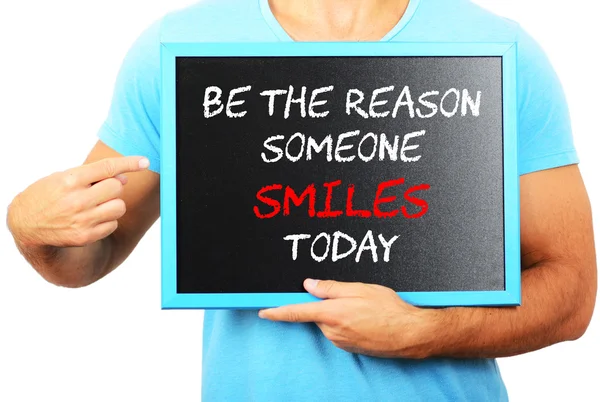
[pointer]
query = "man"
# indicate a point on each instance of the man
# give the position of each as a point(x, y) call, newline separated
point(363, 342)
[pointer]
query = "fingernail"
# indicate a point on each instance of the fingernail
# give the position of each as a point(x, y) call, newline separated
point(122, 178)
point(311, 283)
point(144, 163)
point(261, 314)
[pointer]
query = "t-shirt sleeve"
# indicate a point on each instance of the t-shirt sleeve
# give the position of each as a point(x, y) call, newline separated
point(132, 126)
point(544, 125)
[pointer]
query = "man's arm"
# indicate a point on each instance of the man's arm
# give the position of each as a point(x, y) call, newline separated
point(559, 279)
point(559, 283)
point(59, 237)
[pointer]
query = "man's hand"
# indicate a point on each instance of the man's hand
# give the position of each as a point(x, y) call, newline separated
point(364, 318)
point(58, 222)
point(73, 208)
point(558, 282)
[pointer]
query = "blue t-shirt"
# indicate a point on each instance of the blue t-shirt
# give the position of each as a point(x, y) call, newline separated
point(246, 358)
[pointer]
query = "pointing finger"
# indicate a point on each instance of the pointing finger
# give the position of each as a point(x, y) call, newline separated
point(304, 312)
point(109, 167)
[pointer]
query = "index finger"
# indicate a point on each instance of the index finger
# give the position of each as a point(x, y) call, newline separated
point(303, 312)
point(110, 167)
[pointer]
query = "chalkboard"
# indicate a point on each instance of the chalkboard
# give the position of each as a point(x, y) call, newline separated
point(362, 162)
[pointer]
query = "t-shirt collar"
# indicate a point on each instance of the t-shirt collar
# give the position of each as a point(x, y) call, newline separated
point(283, 35)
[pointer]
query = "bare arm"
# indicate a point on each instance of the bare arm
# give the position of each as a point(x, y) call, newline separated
point(559, 283)
point(559, 280)
point(73, 244)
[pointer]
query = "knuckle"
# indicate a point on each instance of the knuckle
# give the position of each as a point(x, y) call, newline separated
point(81, 237)
point(133, 164)
point(120, 207)
point(109, 168)
point(386, 290)
point(69, 179)
point(335, 321)
point(77, 223)
point(332, 335)
point(377, 287)
point(328, 286)
point(293, 316)
point(76, 204)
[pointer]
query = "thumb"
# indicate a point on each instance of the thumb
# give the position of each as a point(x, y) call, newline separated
point(329, 289)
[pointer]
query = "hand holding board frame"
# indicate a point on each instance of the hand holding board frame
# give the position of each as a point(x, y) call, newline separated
point(388, 163)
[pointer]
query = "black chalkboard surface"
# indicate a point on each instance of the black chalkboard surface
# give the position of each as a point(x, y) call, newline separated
point(378, 169)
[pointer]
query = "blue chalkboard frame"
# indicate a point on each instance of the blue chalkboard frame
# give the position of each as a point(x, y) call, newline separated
point(170, 51)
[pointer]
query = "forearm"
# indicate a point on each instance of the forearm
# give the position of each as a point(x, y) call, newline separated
point(556, 306)
point(69, 266)
point(64, 266)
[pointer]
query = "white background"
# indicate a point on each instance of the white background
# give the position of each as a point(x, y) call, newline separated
point(110, 341)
